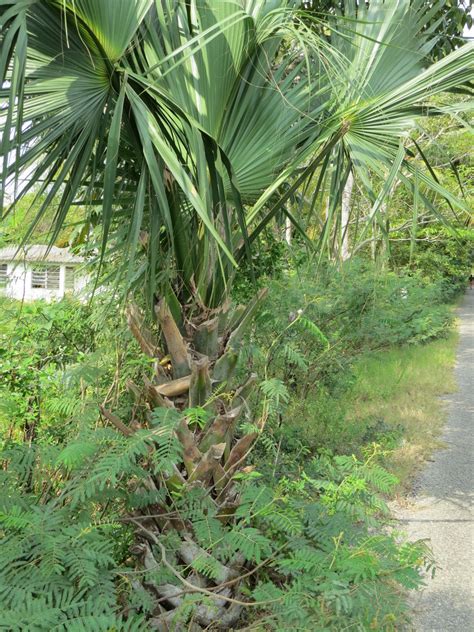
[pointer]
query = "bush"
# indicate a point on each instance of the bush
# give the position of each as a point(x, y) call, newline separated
point(309, 334)
point(57, 362)
point(442, 257)
point(328, 319)
point(37, 342)
point(312, 551)
point(338, 565)
point(58, 560)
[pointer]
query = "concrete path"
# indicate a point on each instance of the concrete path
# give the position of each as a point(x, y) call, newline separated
point(442, 510)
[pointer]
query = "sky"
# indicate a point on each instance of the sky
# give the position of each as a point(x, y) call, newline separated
point(469, 32)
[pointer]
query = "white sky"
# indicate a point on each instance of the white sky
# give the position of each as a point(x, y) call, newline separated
point(469, 32)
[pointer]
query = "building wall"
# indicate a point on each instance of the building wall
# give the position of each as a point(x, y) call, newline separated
point(19, 283)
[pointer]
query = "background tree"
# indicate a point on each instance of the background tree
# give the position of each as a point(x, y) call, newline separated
point(374, 176)
point(448, 20)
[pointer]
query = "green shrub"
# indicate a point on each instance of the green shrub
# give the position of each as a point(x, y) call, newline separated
point(37, 342)
point(310, 333)
point(317, 325)
point(58, 561)
point(57, 362)
point(339, 568)
point(311, 551)
point(442, 257)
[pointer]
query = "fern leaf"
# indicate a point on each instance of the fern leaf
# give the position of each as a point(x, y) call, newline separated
point(250, 542)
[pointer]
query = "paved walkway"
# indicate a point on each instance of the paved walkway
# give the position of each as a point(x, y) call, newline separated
point(442, 510)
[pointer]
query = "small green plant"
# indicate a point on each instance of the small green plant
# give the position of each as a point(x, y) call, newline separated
point(339, 566)
point(37, 342)
point(58, 560)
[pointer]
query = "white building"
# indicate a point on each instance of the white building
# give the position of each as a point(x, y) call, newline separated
point(32, 272)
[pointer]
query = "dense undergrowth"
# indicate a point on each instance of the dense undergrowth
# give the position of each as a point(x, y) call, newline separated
point(330, 325)
point(307, 544)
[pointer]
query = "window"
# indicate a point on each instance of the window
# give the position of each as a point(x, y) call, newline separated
point(38, 278)
point(45, 277)
point(52, 278)
point(69, 278)
point(3, 274)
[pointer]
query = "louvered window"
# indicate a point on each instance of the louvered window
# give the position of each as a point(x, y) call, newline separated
point(3, 274)
point(38, 278)
point(45, 277)
point(69, 278)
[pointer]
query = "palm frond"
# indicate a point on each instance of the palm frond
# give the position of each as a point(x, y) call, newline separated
point(182, 122)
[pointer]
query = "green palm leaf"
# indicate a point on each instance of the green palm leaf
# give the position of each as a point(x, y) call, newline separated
point(385, 87)
point(207, 110)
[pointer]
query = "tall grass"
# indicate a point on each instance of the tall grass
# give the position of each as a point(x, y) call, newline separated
point(401, 388)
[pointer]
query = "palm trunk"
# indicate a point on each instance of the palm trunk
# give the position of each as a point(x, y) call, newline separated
point(202, 364)
point(384, 244)
point(288, 230)
point(345, 215)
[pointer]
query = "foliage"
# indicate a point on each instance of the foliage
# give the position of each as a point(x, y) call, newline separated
point(15, 227)
point(398, 164)
point(37, 342)
point(437, 251)
point(64, 504)
point(57, 570)
point(313, 545)
point(190, 175)
point(394, 310)
point(442, 257)
point(184, 129)
point(449, 20)
point(340, 312)
point(313, 333)
point(337, 570)
point(268, 261)
point(309, 543)
point(57, 361)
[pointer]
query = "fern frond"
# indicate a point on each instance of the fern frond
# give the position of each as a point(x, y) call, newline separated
point(313, 329)
point(208, 531)
point(248, 541)
point(275, 390)
point(294, 356)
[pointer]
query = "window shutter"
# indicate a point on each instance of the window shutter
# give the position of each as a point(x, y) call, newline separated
point(45, 277)
point(3, 274)
point(69, 278)
point(38, 277)
point(52, 278)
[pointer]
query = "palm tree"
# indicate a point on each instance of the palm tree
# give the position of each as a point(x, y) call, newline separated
point(386, 87)
point(182, 122)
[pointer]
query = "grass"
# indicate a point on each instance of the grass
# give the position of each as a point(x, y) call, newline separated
point(399, 392)
point(391, 397)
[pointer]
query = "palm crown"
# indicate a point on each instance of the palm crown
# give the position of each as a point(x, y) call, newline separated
point(184, 119)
